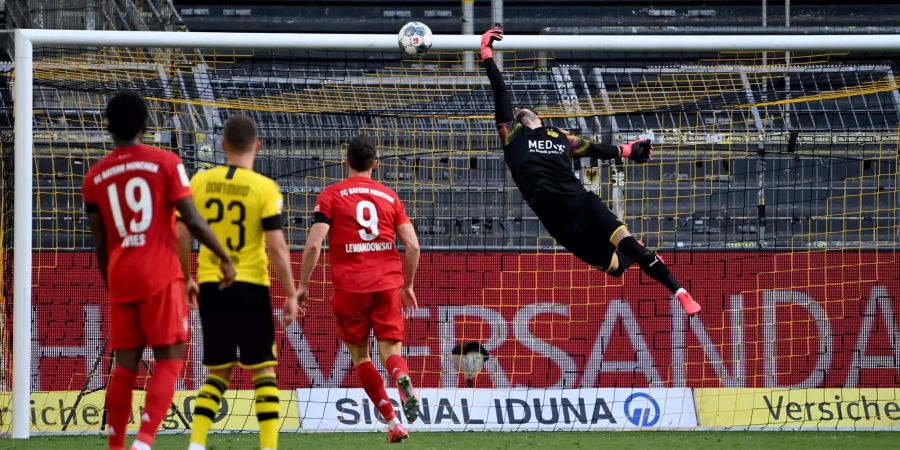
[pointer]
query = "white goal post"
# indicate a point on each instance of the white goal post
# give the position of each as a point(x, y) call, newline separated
point(26, 40)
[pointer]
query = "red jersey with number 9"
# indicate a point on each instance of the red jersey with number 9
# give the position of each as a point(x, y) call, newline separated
point(135, 189)
point(364, 215)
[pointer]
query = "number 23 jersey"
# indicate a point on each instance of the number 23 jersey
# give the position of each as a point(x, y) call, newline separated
point(240, 206)
point(135, 189)
point(364, 215)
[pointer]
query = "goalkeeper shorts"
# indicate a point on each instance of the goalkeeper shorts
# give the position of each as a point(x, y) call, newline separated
point(584, 226)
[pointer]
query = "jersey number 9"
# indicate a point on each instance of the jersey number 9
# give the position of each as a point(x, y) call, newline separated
point(369, 226)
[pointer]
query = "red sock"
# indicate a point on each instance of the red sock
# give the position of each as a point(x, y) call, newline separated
point(160, 391)
point(374, 386)
point(396, 366)
point(118, 405)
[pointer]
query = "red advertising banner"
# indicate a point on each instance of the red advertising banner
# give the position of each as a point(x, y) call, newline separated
point(806, 319)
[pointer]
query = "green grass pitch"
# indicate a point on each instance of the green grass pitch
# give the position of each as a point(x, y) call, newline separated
point(643, 440)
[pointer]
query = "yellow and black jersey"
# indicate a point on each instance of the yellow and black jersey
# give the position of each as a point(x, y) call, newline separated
point(240, 206)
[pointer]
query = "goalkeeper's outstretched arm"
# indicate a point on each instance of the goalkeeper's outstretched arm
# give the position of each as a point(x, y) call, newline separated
point(503, 112)
point(639, 151)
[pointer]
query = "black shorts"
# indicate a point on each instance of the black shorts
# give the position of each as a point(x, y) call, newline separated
point(237, 317)
point(584, 226)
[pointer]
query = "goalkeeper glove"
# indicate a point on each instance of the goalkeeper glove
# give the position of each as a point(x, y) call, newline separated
point(638, 151)
point(487, 41)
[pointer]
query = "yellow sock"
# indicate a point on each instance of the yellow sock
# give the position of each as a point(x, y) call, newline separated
point(206, 408)
point(267, 410)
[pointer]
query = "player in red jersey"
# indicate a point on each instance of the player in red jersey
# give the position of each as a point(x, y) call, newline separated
point(371, 286)
point(131, 197)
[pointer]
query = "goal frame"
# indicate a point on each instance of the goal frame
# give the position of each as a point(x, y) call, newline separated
point(27, 39)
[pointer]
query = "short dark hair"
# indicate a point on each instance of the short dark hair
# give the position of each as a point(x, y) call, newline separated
point(361, 153)
point(241, 133)
point(126, 115)
point(520, 112)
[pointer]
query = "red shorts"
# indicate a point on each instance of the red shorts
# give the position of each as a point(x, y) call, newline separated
point(158, 320)
point(357, 313)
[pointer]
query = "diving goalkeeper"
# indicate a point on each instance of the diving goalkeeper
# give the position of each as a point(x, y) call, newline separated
point(539, 159)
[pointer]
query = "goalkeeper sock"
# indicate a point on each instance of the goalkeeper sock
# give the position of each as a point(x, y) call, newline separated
point(267, 410)
point(160, 391)
point(374, 387)
point(650, 263)
point(205, 409)
point(118, 405)
point(396, 366)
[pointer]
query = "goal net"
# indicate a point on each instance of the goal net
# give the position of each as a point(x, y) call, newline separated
point(772, 195)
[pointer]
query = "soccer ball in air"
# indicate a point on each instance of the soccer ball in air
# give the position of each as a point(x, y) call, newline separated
point(414, 38)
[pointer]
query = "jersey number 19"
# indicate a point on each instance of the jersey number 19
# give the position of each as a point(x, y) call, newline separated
point(137, 196)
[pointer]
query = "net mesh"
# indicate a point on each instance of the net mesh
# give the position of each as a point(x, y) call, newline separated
point(772, 195)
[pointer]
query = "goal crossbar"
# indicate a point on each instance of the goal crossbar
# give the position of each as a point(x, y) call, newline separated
point(26, 39)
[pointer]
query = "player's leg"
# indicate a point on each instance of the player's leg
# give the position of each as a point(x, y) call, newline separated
point(373, 384)
point(389, 351)
point(216, 308)
point(653, 266)
point(256, 339)
point(387, 323)
point(127, 341)
point(164, 322)
point(266, 406)
point(118, 395)
point(618, 264)
point(206, 407)
point(352, 312)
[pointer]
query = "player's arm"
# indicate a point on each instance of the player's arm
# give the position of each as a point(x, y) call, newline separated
point(410, 241)
point(411, 254)
point(277, 248)
point(179, 187)
point(198, 227)
point(503, 113)
point(98, 231)
point(272, 205)
point(184, 249)
point(407, 235)
point(184, 258)
point(639, 151)
point(98, 227)
point(314, 241)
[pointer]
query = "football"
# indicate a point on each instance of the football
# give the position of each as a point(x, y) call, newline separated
point(414, 38)
point(471, 364)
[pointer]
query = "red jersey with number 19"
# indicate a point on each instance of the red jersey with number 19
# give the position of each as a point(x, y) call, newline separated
point(364, 215)
point(135, 189)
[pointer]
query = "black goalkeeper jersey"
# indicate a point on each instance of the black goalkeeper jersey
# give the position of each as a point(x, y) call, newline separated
point(539, 162)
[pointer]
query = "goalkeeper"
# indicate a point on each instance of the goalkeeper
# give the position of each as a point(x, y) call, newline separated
point(539, 160)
